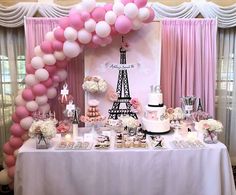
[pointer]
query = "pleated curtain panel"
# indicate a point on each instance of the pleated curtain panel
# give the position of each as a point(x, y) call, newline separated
point(35, 31)
point(189, 59)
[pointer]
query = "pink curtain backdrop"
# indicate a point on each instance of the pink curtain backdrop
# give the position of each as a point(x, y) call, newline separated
point(188, 65)
point(35, 31)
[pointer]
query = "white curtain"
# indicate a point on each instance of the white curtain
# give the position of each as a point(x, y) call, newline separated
point(226, 88)
point(13, 16)
point(12, 74)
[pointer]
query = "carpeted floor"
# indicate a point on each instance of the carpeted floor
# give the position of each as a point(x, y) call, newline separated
point(4, 190)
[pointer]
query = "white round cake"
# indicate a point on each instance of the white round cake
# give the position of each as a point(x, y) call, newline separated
point(155, 119)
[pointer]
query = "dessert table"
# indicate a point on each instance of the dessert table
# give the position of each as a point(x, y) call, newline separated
point(199, 171)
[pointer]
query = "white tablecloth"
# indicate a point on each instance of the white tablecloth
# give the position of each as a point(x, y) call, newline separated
point(204, 171)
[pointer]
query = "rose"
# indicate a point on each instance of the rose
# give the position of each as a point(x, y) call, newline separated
point(135, 103)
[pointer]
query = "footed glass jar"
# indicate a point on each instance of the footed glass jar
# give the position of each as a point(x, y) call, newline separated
point(42, 142)
point(210, 137)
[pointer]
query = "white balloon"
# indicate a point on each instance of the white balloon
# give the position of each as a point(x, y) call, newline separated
point(62, 74)
point(110, 17)
point(59, 55)
point(49, 59)
point(137, 24)
point(49, 36)
point(37, 62)
point(131, 10)
point(38, 51)
point(88, 5)
point(52, 93)
point(44, 108)
point(79, 8)
point(84, 36)
point(32, 106)
point(143, 13)
point(19, 101)
point(118, 8)
point(103, 29)
point(40, 100)
point(41, 74)
point(26, 122)
point(90, 25)
point(70, 34)
point(4, 178)
point(71, 49)
point(30, 80)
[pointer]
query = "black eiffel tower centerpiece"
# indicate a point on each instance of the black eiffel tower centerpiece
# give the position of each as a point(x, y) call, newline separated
point(122, 90)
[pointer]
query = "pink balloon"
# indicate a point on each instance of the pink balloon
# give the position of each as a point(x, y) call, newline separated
point(15, 142)
point(57, 45)
point(39, 89)
point(46, 47)
point(85, 16)
point(22, 112)
point(98, 14)
point(27, 94)
point(59, 34)
point(123, 24)
point(51, 69)
point(30, 69)
point(97, 40)
point(15, 118)
point(126, 1)
point(7, 148)
point(76, 22)
point(48, 83)
point(62, 64)
point(17, 130)
point(10, 160)
point(108, 7)
point(151, 16)
point(64, 22)
point(140, 3)
point(56, 78)
point(11, 171)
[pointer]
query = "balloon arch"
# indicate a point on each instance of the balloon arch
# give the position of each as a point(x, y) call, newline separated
point(86, 25)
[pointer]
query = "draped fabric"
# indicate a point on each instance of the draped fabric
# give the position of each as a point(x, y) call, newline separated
point(189, 61)
point(12, 74)
point(226, 88)
point(13, 16)
point(36, 29)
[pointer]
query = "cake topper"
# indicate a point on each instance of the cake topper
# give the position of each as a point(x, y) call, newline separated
point(155, 89)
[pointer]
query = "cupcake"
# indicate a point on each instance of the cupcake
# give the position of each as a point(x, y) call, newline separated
point(143, 143)
point(119, 144)
point(136, 144)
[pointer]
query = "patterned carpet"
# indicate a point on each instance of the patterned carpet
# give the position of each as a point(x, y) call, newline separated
point(4, 190)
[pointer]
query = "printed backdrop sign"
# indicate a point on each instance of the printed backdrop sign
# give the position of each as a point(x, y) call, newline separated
point(142, 62)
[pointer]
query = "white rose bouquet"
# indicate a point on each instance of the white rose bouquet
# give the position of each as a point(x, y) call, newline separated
point(94, 84)
point(46, 128)
point(209, 125)
point(128, 121)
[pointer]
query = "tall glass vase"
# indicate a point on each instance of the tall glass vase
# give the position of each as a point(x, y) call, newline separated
point(188, 105)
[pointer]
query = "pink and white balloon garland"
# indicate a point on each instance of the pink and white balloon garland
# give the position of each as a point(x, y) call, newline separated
point(86, 24)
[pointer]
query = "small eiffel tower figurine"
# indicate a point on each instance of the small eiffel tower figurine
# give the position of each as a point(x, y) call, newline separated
point(199, 108)
point(122, 90)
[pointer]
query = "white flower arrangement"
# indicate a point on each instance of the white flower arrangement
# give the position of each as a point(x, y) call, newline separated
point(94, 84)
point(209, 125)
point(45, 127)
point(128, 121)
